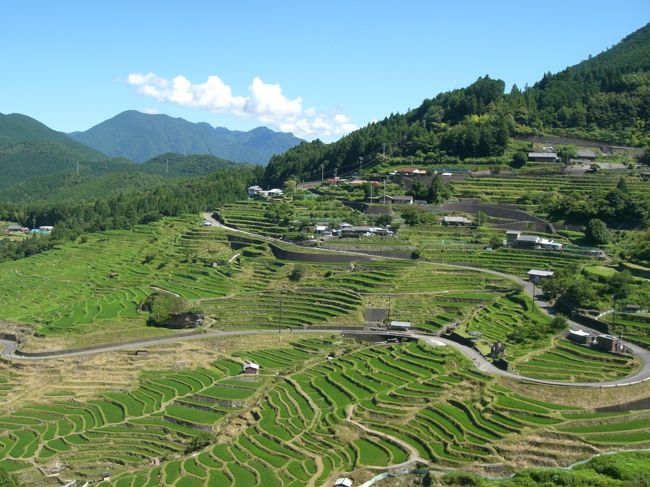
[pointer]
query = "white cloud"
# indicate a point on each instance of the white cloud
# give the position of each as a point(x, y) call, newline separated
point(265, 102)
point(150, 111)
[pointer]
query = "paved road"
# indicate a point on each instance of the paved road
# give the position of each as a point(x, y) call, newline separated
point(9, 348)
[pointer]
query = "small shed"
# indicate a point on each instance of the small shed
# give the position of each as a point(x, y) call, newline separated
point(458, 221)
point(536, 275)
point(608, 343)
point(400, 325)
point(542, 156)
point(403, 200)
point(250, 368)
point(586, 154)
point(579, 336)
point(14, 228)
point(632, 308)
point(343, 482)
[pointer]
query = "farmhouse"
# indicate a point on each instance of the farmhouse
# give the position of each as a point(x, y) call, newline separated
point(456, 221)
point(536, 276)
point(323, 230)
point(516, 239)
point(254, 191)
point(411, 171)
point(542, 157)
point(586, 155)
point(403, 200)
point(250, 368)
point(398, 200)
point(399, 325)
point(363, 231)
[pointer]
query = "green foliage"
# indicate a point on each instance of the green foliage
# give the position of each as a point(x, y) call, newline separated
point(297, 273)
point(596, 231)
point(519, 159)
point(618, 206)
point(123, 211)
point(162, 307)
point(200, 441)
point(6, 479)
point(416, 216)
point(280, 212)
point(641, 251)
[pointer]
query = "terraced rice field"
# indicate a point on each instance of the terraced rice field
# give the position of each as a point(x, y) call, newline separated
point(372, 407)
point(567, 361)
point(633, 326)
point(104, 279)
point(501, 189)
point(510, 320)
point(251, 216)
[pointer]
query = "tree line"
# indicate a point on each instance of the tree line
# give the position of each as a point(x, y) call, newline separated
point(123, 211)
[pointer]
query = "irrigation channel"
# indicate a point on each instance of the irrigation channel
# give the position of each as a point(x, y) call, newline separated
point(10, 352)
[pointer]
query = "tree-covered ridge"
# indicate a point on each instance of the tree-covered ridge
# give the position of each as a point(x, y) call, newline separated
point(606, 97)
point(124, 210)
point(16, 129)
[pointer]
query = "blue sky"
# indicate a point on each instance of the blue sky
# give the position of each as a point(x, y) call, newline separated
point(316, 68)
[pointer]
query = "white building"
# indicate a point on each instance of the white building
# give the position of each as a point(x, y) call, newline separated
point(536, 276)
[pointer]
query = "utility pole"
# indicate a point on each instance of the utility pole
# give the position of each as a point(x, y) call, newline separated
point(384, 147)
point(322, 173)
point(385, 180)
point(360, 165)
point(280, 321)
point(77, 168)
point(335, 171)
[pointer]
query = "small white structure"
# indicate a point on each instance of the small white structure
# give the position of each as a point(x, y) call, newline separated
point(516, 239)
point(343, 482)
point(400, 325)
point(456, 220)
point(207, 223)
point(323, 230)
point(275, 193)
point(579, 336)
point(250, 368)
point(254, 191)
point(46, 228)
point(537, 275)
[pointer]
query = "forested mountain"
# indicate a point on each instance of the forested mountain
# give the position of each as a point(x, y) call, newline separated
point(123, 210)
point(16, 128)
point(107, 178)
point(140, 137)
point(606, 97)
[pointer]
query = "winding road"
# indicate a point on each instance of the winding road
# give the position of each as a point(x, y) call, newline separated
point(9, 348)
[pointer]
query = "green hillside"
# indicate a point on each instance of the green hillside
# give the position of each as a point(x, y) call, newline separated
point(140, 137)
point(606, 97)
point(175, 165)
point(16, 128)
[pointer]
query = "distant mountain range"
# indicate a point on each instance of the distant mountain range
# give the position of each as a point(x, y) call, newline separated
point(139, 137)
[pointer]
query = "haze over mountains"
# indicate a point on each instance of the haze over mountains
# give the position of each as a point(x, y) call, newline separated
point(139, 137)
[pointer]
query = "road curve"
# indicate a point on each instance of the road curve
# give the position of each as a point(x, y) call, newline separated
point(9, 348)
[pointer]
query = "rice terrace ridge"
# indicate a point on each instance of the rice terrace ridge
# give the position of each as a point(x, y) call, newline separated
point(456, 294)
